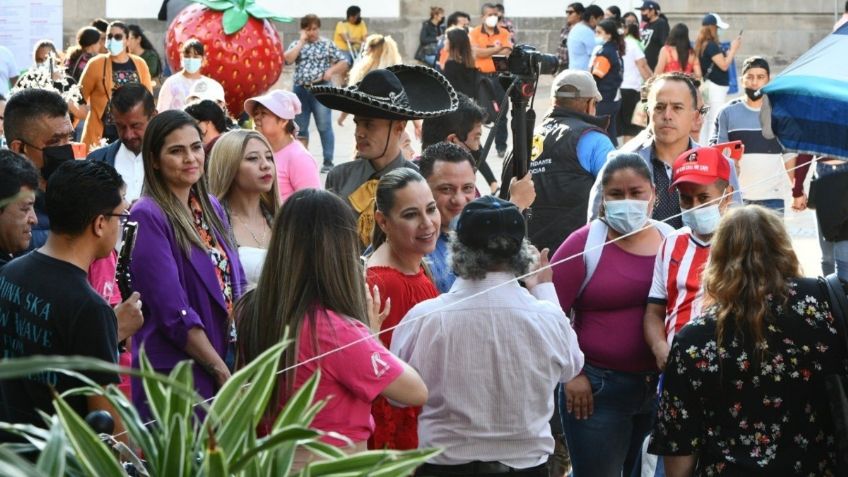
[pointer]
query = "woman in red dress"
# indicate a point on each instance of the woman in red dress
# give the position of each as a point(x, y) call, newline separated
point(407, 226)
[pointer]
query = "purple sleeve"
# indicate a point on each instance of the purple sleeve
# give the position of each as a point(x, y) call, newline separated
point(157, 278)
point(569, 275)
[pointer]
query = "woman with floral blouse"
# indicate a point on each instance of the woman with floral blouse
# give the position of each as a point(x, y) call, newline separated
point(742, 393)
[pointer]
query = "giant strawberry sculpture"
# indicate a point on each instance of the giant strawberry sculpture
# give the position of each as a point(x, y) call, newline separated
point(243, 50)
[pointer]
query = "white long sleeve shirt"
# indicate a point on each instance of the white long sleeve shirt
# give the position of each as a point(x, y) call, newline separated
point(491, 364)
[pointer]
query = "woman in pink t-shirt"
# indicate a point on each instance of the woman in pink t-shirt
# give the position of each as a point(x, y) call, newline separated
point(273, 115)
point(321, 297)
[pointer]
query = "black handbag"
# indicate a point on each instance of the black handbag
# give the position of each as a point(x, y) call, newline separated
point(836, 385)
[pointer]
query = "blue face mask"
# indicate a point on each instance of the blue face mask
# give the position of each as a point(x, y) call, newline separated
point(599, 40)
point(626, 215)
point(702, 220)
point(192, 65)
point(115, 47)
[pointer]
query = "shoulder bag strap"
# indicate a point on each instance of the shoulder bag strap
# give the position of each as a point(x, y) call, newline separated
point(835, 294)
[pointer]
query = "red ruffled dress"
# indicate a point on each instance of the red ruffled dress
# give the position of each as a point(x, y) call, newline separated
point(397, 428)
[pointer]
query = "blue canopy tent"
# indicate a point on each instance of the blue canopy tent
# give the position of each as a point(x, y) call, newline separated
point(806, 106)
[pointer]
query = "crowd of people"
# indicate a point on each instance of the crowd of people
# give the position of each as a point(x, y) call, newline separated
point(672, 318)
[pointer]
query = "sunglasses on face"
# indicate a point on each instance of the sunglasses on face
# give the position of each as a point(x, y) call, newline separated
point(116, 36)
point(569, 12)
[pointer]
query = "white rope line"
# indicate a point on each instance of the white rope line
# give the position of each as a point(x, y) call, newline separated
point(411, 319)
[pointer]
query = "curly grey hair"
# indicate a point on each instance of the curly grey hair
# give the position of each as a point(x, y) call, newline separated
point(473, 264)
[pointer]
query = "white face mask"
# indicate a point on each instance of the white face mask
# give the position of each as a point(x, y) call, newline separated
point(702, 220)
point(626, 215)
point(492, 21)
point(115, 47)
point(192, 65)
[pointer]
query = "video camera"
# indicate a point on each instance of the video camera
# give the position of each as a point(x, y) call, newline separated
point(518, 76)
point(526, 61)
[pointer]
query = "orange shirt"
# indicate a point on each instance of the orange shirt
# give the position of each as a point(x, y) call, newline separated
point(481, 39)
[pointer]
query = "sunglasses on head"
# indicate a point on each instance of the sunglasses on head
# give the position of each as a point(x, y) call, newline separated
point(116, 36)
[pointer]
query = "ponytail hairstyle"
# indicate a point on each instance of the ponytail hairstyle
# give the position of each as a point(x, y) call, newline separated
point(610, 26)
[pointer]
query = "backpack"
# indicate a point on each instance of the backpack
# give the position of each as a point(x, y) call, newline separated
point(488, 98)
point(597, 239)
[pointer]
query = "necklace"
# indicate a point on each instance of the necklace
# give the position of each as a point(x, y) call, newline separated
point(259, 242)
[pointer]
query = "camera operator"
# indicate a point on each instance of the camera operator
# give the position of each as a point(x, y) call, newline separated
point(488, 40)
point(570, 147)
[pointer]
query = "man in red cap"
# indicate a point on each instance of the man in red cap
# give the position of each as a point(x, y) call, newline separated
point(702, 178)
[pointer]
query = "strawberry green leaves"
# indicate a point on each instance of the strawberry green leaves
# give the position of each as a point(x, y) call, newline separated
point(238, 12)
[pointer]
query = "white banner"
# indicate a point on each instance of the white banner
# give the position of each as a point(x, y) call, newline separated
point(24, 22)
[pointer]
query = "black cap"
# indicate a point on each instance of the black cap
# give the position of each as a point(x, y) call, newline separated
point(488, 218)
point(648, 5)
point(755, 62)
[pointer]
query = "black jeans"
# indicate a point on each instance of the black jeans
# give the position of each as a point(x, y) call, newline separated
point(480, 469)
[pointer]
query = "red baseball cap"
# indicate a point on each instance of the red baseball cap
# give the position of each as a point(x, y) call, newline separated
point(703, 165)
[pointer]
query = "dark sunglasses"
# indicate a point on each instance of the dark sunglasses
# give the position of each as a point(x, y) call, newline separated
point(116, 36)
point(569, 12)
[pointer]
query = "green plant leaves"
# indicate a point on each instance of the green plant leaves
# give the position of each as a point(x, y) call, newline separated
point(13, 465)
point(225, 444)
point(94, 457)
point(51, 461)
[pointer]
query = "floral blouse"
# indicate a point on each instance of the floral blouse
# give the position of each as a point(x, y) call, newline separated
point(216, 252)
point(746, 417)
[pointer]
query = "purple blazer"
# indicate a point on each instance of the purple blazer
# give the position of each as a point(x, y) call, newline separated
point(177, 293)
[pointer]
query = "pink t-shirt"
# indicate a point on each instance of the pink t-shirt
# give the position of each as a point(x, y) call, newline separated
point(101, 276)
point(352, 378)
point(296, 169)
point(610, 311)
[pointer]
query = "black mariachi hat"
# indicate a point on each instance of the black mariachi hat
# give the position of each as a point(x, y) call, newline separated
point(397, 92)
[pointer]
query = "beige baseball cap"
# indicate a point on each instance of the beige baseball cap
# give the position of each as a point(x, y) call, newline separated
point(575, 84)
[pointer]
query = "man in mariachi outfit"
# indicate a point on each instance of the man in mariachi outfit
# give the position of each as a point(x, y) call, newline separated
point(381, 104)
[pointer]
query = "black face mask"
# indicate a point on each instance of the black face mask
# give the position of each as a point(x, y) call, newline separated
point(753, 94)
point(53, 157)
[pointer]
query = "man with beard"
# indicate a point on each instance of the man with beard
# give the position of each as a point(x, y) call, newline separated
point(381, 104)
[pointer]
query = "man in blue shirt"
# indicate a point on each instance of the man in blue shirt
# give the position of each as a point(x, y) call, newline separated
point(570, 147)
point(581, 38)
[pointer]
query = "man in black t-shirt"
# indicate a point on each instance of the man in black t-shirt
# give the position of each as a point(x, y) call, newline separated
point(654, 32)
point(47, 306)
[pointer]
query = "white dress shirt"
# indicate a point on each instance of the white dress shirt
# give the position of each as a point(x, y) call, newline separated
point(131, 168)
point(491, 364)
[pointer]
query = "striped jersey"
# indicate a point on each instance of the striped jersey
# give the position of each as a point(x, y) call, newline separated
point(677, 279)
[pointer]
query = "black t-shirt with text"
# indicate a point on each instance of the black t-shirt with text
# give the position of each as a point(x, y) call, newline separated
point(653, 37)
point(47, 307)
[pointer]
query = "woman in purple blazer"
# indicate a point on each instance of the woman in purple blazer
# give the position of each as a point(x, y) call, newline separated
point(183, 262)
